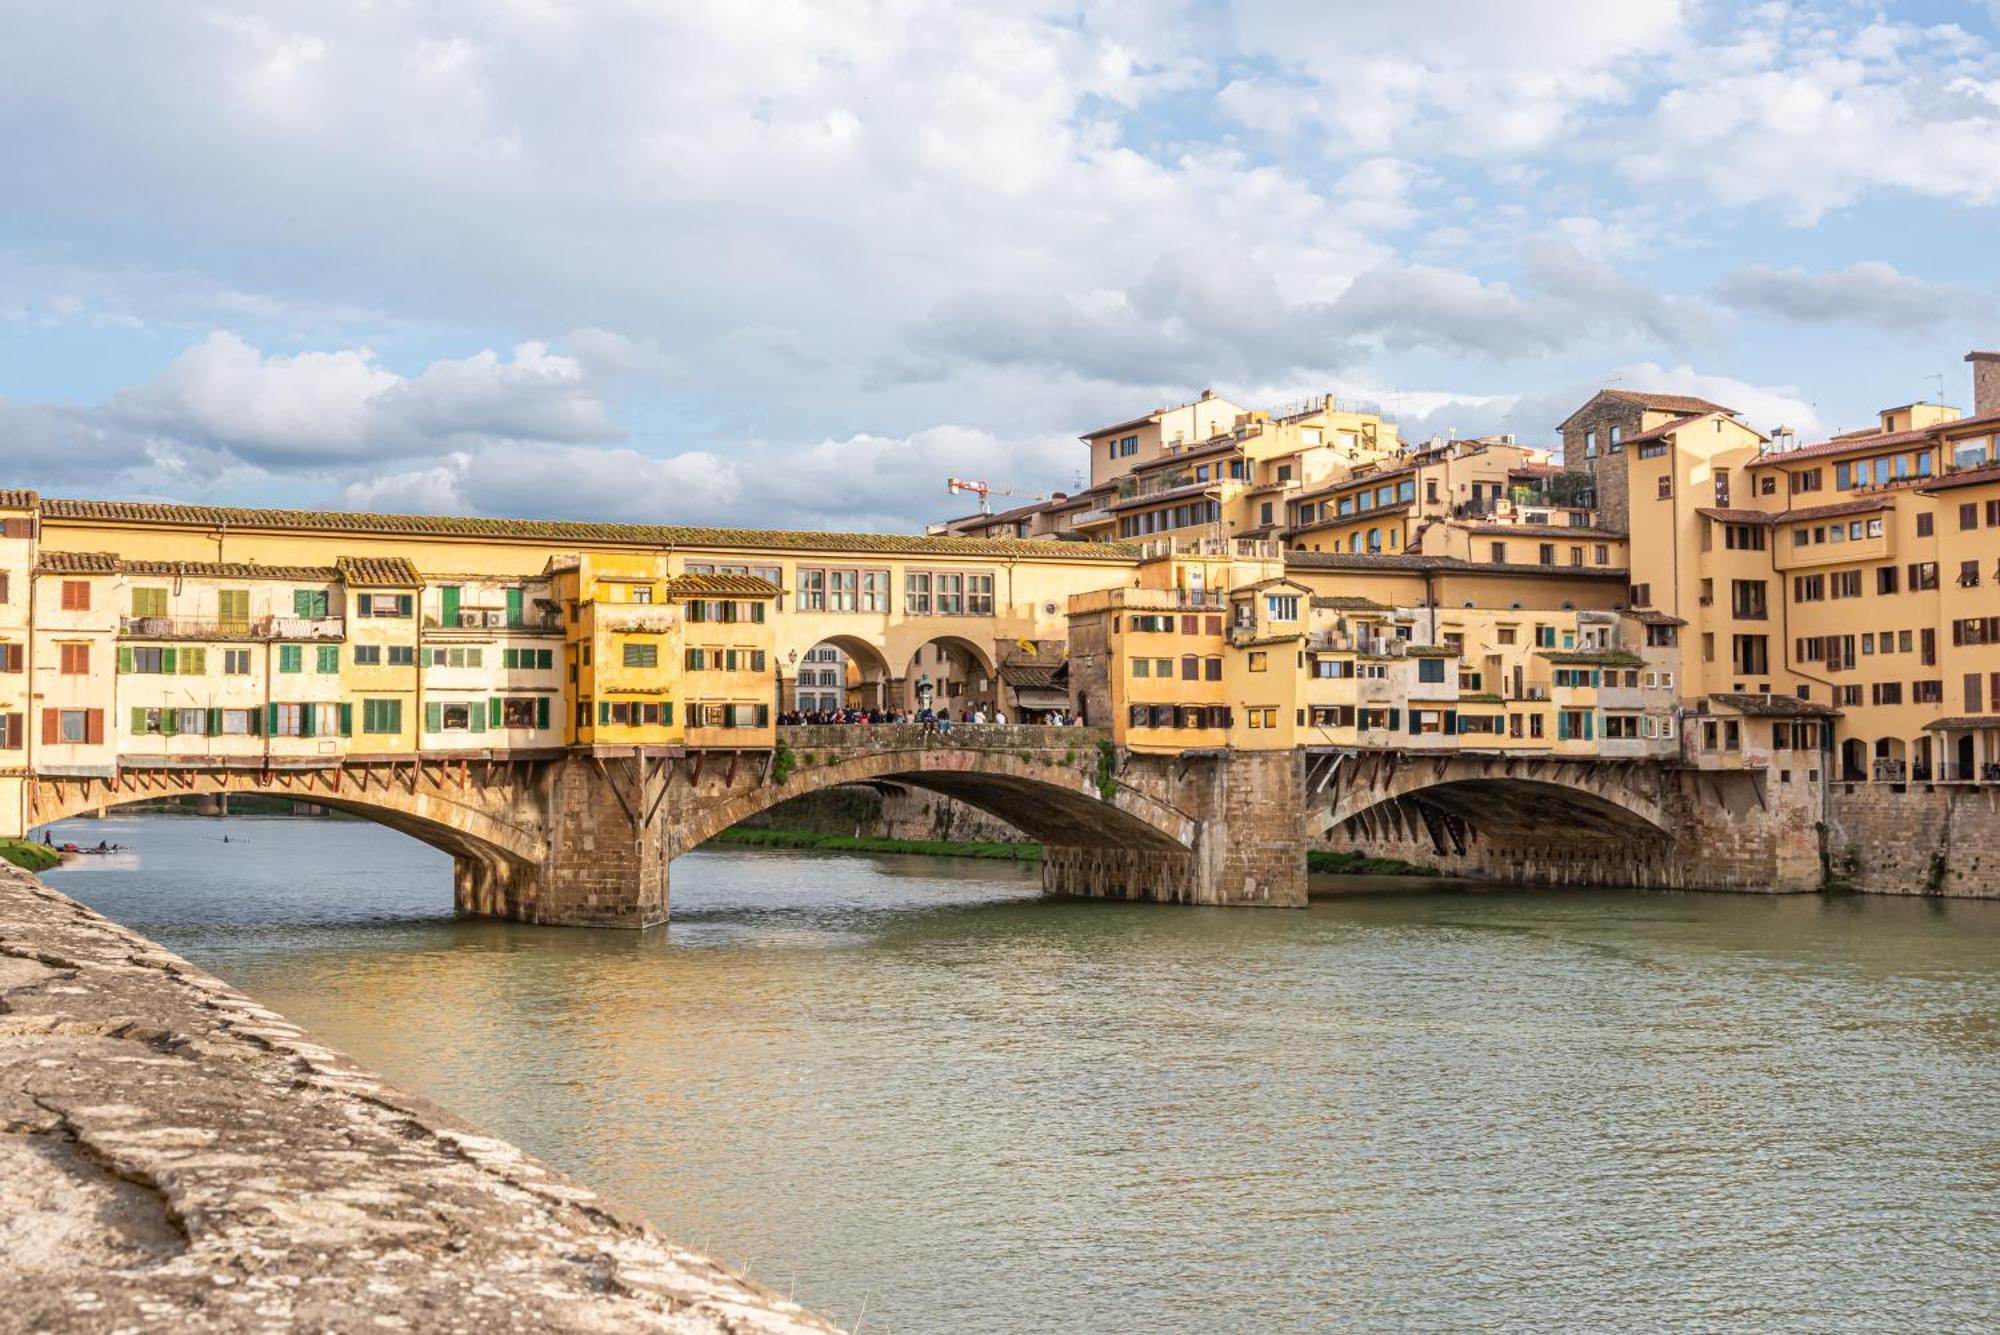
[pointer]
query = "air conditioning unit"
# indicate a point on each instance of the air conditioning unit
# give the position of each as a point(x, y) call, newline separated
point(496, 619)
point(468, 619)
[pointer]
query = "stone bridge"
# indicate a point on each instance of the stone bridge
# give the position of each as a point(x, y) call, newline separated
point(1572, 821)
point(586, 838)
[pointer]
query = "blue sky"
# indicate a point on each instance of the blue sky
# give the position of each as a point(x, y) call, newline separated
point(797, 263)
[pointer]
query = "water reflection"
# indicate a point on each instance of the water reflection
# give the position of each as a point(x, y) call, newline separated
point(914, 1083)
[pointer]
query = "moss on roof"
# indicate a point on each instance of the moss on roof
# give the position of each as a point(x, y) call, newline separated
point(573, 532)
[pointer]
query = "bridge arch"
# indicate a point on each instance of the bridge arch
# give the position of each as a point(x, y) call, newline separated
point(472, 821)
point(1497, 797)
point(1049, 799)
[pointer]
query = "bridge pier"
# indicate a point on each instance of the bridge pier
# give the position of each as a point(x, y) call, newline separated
point(606, 860)
point(1250, 848)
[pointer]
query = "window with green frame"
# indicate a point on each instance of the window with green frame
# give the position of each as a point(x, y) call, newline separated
point(381, 716)
point(149, 602)
point(310, 604)
point(329, 658)
point(291, 658)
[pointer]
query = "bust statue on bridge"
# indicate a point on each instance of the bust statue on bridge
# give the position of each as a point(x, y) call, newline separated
point(925, 691)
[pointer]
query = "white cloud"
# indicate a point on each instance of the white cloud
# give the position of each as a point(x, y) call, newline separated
point(322, 408)
point(1867, 293)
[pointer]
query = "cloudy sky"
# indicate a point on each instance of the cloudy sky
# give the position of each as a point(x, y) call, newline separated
point(796, 263)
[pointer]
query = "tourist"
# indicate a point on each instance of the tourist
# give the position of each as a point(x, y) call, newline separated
point(999, 717)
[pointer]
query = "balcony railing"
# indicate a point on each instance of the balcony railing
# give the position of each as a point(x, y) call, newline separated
point(255, 628)
point(635, 616)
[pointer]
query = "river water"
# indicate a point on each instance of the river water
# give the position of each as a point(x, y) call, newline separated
point(924, 1100)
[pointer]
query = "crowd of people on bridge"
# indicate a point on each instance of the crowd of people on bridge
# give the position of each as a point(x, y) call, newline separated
point(938, 720)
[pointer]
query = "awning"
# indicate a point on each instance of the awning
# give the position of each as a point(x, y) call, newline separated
point(1032, 699)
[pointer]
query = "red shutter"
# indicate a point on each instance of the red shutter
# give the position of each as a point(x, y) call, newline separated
point(51, 727)
point(93, 726)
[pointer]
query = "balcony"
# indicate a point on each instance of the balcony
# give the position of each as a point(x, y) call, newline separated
point(253, 629)
point(635, 618)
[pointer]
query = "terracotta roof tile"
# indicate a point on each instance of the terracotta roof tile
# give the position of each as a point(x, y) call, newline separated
point(1863, 442)
point(1669, 403)
point(1543, 531)
point(18, 500)
point(1652, 616)
point(721, 586)
point(1967, 477)
point(1959, 721)
point(233, 570)
point(1811, 512)
point(77, 563)
point(1347, 602)
point(564, 531)
point(1773, 706)
point(379, 572)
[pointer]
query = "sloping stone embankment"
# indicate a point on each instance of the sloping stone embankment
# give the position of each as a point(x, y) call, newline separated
point(174, 1156)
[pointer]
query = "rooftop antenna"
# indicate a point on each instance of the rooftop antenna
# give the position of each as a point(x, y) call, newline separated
point(1939, 377)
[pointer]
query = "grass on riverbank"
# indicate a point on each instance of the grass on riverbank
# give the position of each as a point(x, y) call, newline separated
point(844, 843)
point(27, 854)
point(1317, 861)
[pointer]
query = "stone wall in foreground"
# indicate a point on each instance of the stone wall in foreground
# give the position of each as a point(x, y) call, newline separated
point(173, 1156)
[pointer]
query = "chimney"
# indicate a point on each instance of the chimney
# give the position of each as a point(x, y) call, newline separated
point(1985, 382)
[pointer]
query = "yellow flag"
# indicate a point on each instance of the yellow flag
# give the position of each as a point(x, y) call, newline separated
point(1027, 646)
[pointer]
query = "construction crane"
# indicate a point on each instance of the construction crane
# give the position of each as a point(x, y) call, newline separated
point(985, 489)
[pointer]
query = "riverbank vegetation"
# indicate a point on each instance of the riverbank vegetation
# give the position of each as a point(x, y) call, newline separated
point(1327, 863)
point(24, 853)
point(847, 843)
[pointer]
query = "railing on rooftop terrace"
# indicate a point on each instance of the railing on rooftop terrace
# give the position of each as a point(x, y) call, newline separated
point(254, 628)
point(1241, 549)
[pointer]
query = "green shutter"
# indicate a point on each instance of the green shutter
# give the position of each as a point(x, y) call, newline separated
point(302, 603)
point(329, 658)
point(346, 719)
point(124, 658)
point(603, 713)
point(271, 719)
point(545, 659)
point(542, 712)
point(476, 717)
point(434, 717)
point(291, 658)
point(193, 662)
point(138, 721)
point(450, 593)
point(666, 713)
point(362, 607)
point(763, 716)
point(306, 720)
point(513, 607)
point(170, 722)
point(493, 710)
point(167, 658)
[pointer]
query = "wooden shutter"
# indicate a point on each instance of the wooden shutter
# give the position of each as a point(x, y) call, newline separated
point(51, 727)
point(450, 594)
point(93, 726)
point(405, 604)
point(434, 716)
point(475, 717)
point(214, 722)
point(124, 658)
point(542, 711)
point(763, 716)
point(194, 662)
point(170, 722)
point(168, 660)
point(138, 721)
point(513, 607)
point(346, 719)
point(494, 707)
